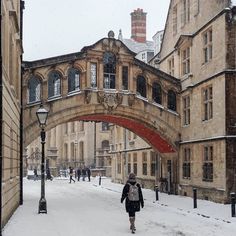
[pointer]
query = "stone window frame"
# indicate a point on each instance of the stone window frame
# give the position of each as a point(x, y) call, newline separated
point(54, 84)
point(186, 165)
point(185, 13)
point(109, 70)
point(93, 75)
point(35, 91)
point(144, 163)
point(153, 164)
point(119, 165)
point(175, 19)
point(157, 92)
point(125, 78)
point(186, 60)
point(129, 162)
point(186, 110)
point(207, 165)
point(74, 82)
point(135, 163)
point(171, 66)
point(141, 88)
point(207, 103)
point(207, 45)
point(171, 100)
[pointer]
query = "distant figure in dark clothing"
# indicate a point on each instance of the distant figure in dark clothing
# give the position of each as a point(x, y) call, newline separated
point(48, 174)
point(84, 173)
point(89, 174)
point(78, 173)
point(71, 174)
point(35, 174)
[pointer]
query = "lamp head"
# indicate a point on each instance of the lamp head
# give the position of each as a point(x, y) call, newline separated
point(42, 115)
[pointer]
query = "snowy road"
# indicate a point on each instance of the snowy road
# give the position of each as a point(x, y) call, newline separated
point(85, 208)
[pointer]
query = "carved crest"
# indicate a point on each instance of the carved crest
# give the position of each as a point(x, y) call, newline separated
point(110, 101)
point(87, 96)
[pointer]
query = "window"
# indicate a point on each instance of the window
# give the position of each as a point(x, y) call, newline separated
point(81, 151)
point(125, 77)
point(141, 86)
point(105, 144)
point(109, 70)
point(119, 165)
point(54, 84)
point(72, 127)
point(171, 100)
point(153, 164)
point(175, 20)
point(66, 128)
point(171, 66)
point(129, 163)
point(81, 126)
point(208, 163)
point(144, 157)
point(186, 163)
point(207, 46)
point(34, 89)
point(186, 110)
point(93, 75)
point(185, 12)
point(73, 80)
point(135, 164)
point(105, 126)
point(207, 103)
point(156, 93)
point(186, 61)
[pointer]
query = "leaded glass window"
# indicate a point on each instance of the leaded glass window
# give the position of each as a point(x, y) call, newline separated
point(125, 78)
point(141, 86)
point(54, 84)
point(93, 75)
point(109, 70)
point(34, 89)
point(171, 100)
point(73, 80)
point(156, 93)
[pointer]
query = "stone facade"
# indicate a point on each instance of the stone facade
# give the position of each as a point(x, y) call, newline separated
point(11, 158)
point(199, 48)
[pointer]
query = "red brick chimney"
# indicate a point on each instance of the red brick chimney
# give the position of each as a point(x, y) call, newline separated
point(138, 25)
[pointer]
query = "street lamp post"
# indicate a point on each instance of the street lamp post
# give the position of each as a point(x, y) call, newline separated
point(42, 115)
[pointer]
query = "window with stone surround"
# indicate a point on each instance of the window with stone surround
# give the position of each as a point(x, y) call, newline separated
point(141, 86)
point(135, 164)
point(157, 93)
point(153, 164)
point(171, 103)
point(187, 163)
point(171, 66)
point(185, 60)
point(207, 45)
point(125, 77)
point(93, 75)
point(54, 84)
point(129, 163)
point(207, 103)
point(185, 15)
point(175, 20)
point(34, 89)
point(73, 80)
point(144, 159)
point(207, 163)
point(109, 70)
point(186, 110)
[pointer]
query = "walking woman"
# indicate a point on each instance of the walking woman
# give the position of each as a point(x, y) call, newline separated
point(132, 194)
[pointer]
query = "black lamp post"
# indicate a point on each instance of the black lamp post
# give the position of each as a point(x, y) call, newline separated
point(42, 115)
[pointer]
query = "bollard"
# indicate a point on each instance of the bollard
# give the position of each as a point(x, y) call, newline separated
point(157, 190)
point(194, 198)
point(232, 204)
point(100, 179)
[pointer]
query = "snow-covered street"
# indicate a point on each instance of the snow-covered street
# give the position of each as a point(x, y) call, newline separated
point(85, 208)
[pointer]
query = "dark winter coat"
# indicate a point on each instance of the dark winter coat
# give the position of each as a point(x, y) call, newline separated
point(79, 172)
point(132, 206)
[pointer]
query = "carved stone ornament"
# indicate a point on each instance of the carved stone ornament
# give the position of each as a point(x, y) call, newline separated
point(87, 96)
point(110, 101)
point(131, 99)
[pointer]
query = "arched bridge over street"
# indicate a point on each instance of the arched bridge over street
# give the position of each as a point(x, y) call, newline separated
point(103, 82)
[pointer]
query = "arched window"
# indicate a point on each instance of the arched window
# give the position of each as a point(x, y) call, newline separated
point(156, 93)
point(105, 144)
point(109, 70)
point(54, 84)
point(73, 80)
point(171, 100)
point(141, 86)
point(34, 89)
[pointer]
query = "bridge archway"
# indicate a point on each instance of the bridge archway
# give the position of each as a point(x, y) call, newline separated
point(88, 97)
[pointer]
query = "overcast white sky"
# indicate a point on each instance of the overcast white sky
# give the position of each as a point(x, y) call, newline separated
point(57, 27)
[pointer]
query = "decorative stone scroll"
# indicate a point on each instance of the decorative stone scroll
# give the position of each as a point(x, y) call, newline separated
point(110, 101)
point(87, 96)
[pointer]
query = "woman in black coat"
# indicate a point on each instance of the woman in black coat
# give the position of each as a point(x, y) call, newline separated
point(132, 205)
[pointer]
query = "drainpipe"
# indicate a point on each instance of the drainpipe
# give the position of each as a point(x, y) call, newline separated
point(1, 152)
point(22, 7)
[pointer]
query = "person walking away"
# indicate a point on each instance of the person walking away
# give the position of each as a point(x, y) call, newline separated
point(132, 194)
point(71, 174)
point(78, 173)
point(88, 173)
point(48, 174)
point(35, 174)
point(84, 173)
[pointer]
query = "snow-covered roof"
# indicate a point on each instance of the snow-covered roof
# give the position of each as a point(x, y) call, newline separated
point(138, 47)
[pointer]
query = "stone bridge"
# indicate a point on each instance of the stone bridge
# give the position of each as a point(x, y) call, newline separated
point(103, 82)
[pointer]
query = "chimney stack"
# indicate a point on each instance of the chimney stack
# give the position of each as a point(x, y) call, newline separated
point(138, 25)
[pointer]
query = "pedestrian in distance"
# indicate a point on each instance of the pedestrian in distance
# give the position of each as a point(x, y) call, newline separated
point(132, 194)
point(84, 173)
point(78, 173)
point(48, 174)
point(88, 173)
point(71, 174)
point(35, 174)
